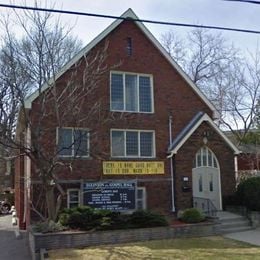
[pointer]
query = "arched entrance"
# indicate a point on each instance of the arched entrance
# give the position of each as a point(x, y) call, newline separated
point(206, 177)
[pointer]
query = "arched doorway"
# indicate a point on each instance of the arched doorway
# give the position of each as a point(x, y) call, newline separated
point(206, 177)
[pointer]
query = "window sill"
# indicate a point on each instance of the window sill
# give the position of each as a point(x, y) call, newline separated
point(72, 158)
point(132, 112)
point(133, 158)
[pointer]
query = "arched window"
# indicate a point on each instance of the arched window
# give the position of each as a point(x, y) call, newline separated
point(205, 158)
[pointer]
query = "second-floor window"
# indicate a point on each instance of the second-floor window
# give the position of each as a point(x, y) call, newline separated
point(73, 142)
point(132, 143)
point(131, 92)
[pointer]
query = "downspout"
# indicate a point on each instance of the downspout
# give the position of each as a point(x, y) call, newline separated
point(236, 169)
point(27, 179)
point(171, 165)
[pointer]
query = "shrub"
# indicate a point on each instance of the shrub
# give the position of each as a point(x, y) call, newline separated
point(249, 193)
point(145, 218)
point(86, 218)
point(48, 226)
point(192, 215)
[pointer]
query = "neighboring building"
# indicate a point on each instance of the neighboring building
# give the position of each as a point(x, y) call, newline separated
point(159, 149)
point(248, 161)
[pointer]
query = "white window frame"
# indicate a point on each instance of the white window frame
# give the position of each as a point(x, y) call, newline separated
point(73, 152)
point(143, 199)
point(124, 73)
point(214, 162)
point(139, 145)
point(68, 197)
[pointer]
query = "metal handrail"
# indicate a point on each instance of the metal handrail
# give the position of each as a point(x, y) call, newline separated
point(205, 205)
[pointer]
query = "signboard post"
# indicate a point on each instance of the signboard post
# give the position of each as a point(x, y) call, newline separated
point(111, 195)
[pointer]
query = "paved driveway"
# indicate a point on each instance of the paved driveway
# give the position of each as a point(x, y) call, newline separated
point(11, 247)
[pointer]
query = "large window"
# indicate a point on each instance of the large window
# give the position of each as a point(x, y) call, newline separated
point(73, 142)
point(131, 92)
point(132, 143)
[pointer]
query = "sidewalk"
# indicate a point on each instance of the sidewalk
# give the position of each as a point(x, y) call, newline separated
point(251, 236)
point(12, 247)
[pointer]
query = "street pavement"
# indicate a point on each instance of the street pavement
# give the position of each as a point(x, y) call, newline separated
point(250, 236)
point(12, 246)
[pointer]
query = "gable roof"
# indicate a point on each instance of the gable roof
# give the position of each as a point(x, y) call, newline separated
point(129, 14)
point(190, 128)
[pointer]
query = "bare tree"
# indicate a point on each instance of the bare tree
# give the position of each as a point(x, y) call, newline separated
point(31, 63)
point(227, 78)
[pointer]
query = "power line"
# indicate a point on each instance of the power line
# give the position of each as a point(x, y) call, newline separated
point(38, 9)
point(245, 1)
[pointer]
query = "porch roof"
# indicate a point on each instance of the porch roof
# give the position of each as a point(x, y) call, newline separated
point(189, 129)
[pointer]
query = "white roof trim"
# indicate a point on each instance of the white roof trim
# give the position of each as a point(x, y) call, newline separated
point(129, 13)
point(205, 117)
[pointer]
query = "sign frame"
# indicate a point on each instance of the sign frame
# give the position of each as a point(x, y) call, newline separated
point(117, 188)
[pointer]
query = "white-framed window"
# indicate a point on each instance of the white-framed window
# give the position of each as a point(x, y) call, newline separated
point(73, 198)
point(131, 92)
point(205, 158)
point(73, 142)
point(132, 143)
point(141, 198)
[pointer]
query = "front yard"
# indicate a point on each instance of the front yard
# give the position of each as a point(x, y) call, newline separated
point(214, 247)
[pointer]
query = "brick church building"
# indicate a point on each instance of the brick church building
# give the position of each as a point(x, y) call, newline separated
point(126, 129)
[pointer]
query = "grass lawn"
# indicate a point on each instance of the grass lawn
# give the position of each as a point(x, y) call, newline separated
point(190, 248)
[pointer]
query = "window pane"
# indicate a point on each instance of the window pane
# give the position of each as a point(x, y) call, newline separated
point(118, 146)
point(199, 159)
point(200, 183)
point(65, 141)
point(131, 143)
point(131, 92)
point(146, 144)
point(140, 193)
point(140, 204)
point(211, 182)
point(81, 142)
point(74, 196)
point(117, 92)
point(210, 158)
point(145, 94)
point(204, 156)
point(215, 163)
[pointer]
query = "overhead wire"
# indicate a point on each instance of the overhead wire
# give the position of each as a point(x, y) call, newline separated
point(40, 9)
point(244, 1)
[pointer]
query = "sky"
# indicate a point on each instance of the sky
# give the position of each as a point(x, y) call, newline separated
point(205, 12)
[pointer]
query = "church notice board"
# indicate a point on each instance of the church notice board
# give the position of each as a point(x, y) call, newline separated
point(133, 167)
point(111, 195)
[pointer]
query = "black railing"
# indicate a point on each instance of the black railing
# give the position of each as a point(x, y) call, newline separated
point(206, 206)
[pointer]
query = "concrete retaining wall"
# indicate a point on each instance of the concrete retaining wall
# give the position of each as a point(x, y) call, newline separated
point(84, 239)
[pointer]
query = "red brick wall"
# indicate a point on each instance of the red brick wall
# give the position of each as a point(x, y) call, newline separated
point(172, 95)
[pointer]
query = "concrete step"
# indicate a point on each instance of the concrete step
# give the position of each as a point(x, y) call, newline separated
point(234, 229)
point(231, 223)
point(236, 223)
point(232, 219)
